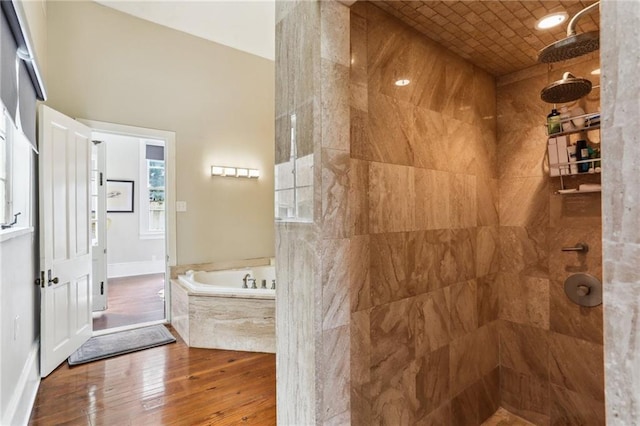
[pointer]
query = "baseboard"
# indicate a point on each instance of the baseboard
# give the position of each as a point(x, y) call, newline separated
point(21, 403)
point(130, 269)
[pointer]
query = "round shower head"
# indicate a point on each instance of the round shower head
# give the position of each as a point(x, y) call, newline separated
point(570, 47)
point(566, 90)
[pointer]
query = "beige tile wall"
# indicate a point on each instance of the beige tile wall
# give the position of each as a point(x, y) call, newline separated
point(551, 362)
point(424, 219)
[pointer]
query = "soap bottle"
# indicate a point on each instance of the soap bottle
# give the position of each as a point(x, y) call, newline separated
point(571, 154)
point(553, 122)
point(582, 153)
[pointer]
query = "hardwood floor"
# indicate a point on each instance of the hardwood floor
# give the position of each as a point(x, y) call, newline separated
point(167, 385)
point(132, 300)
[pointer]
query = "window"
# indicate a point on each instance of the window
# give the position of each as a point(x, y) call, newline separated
point(152, 191)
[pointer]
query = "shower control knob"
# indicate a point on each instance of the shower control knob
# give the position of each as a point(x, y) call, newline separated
point(583, 290)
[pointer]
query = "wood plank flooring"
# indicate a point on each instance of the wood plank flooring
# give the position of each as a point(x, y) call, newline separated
point(132, 300)
point(167, 385)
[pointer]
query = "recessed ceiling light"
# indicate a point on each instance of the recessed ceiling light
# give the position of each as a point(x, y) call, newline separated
point(551, 21)
point(402, 82)
point(596, 71)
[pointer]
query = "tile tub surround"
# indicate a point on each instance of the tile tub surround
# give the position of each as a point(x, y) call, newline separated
point(219, 322)
point(621, 204)
point(551, 350)
point(423, 217)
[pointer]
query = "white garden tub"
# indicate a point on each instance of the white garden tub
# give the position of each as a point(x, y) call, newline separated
point(212, 310)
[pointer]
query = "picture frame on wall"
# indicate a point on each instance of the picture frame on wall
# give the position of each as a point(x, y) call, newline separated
point(120, 196)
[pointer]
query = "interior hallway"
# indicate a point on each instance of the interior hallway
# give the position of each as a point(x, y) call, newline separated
point(132, 300)
point(170, 384)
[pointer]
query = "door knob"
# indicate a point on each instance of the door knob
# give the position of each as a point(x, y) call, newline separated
point(54, 280)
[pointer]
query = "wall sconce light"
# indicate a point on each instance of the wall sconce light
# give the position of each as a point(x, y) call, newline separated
point(235, 172)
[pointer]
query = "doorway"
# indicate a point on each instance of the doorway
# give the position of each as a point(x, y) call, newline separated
point(132, 226)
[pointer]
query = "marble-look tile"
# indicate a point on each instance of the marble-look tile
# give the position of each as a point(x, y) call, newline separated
point(358, 69)
point(572, 319)
point(570, 359)
point(393, 398)
point(525, 396)
point(390, 130)
point(360, 348)
point(488, 393)
point(485, 147)
point(464, 408)
point(522, 152)
point(334, 372)
point(463, 308)
point(524, 250)
point(427, 251)
point(524, 300)
point(388, 268)
point(524, 202)
point(391, 210)
point(462, 201)
point(359, 272)
point(439, 416)
point(429, 320)
point(459, 76)
point(487, 250)
point(339, 419)
point(359, 126)
point(519, 105)
point(334, 32)
point(563, 264)
point(335, 193)
point(335, 106)
point(180, 310)
point(487, 299)
point(432, 199)
point(462, 142)
point(429, 148)
point(432, 381)
point(307, 130)
point(504, 418)
point(335, 283)
point(463, 255)
point(525, 349)
point(232, 324)
point(571, 408)
point(473, 356)
point(359, 196)
point(485, 99)
point(577, 210)
point(487, 192)
point(283, 139)
point(392, 340)
point(360, 405)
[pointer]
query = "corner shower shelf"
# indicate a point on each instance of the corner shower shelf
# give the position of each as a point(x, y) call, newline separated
point(588, 119)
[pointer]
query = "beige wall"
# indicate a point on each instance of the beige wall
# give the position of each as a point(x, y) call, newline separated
point(108, 66)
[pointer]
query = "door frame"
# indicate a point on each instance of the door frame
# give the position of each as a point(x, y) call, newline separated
point(169, 138)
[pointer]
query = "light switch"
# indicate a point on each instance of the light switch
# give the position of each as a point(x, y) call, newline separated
point(181, 206)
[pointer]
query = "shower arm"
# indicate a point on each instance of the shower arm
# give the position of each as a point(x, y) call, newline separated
point(571, 29)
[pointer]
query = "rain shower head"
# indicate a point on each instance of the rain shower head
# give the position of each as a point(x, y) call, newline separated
point(570, 47)
point(568, 89)
point(573, 45)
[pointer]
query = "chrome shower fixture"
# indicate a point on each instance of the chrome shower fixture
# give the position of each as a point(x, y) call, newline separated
point(573, 45)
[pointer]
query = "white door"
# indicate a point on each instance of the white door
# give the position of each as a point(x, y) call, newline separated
point(65, 249)
point(99, 225)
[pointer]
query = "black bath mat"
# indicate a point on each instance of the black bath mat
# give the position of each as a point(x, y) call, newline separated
point(122, 342)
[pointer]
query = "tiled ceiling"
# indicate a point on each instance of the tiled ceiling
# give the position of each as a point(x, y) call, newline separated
point(498, 36)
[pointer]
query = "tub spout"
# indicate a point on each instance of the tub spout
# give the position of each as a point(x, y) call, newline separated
point(245, 280)
point(273, 284)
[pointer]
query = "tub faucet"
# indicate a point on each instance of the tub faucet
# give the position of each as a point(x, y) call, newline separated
point(253, 283)
point(245, 280)
point(273, 284)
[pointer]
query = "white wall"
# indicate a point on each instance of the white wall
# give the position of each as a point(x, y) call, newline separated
point(108, 66)
point(127, 253)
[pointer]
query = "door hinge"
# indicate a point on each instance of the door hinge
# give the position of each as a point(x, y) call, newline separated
point(40, 281)
point(101, 179)
point(101, 288)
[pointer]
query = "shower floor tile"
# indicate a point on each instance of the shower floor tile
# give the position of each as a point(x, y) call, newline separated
point(504, 418)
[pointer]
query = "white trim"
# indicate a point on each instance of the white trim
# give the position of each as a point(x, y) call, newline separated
point(128, 327)
point(143, 199)
point(9, 233)
point(130, 269)
point(170, 158)
point(21, 404)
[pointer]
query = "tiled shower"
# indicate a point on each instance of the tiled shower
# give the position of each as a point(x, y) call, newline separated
point(460, 306)
point(425, 287)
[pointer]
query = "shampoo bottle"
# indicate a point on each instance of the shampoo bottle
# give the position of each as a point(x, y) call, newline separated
point(582, 153)
point(553, 122)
